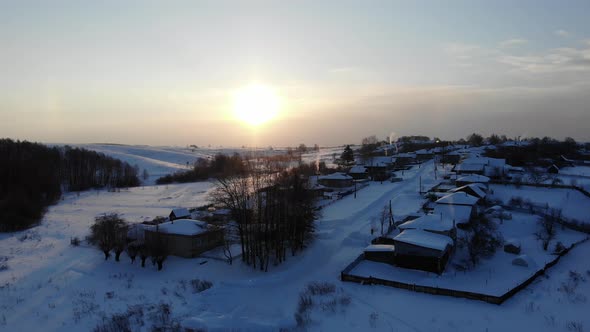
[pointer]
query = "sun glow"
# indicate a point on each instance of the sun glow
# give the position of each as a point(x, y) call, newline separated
point(256, 104)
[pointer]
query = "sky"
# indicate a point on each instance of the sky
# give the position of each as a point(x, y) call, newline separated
point(166, 72)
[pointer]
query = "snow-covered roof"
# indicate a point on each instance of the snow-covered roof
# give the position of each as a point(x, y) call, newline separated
point(424, 239)
point(182, 227)
point(405, 155)
point(474, 187)
point(524, 260)
point(513, 242)
point(335, 176)
point(357, 170)
point(458, 198)
point(181, 212)
point(494, 162)
point(380, 248)
point(460, 213)
point(429, 222)
point(468, 167)
point(474, 179)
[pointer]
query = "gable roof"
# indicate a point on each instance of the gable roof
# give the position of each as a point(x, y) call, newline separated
point(357, 170)
point(461, 214)
point(458, 198)
point(424, 239)
point(472, 188)
point(181, 212)
point(335, 176)
point(429, 222)
point(182, 227)
point(474, 179)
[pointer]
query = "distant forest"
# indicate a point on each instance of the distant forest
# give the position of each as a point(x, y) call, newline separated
point(33, 176)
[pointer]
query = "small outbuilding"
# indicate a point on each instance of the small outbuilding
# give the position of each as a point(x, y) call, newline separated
point(179, 213)
point(384, 253)
point(512, 246)
point(358, 172)
point(421, 250)
point(468, 179)
point(524, 261)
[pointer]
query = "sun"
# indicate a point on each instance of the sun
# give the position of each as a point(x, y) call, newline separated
point(256, 104)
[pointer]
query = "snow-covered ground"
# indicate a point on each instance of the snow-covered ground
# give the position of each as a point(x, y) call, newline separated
point(49, 285)
point(163, 160)
point(573, 204)
point(494, 276)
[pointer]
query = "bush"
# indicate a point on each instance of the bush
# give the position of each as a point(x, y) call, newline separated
point(200, 285)
point(321, 288)
point(75, 241)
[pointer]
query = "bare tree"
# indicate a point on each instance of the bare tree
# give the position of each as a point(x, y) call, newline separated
point(106, 233)
point(158, 249)
point(547, 224)
point(482, 240)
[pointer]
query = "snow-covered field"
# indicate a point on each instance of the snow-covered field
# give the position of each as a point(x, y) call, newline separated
point(49, 285)
point(574, 205)
point(159, 161)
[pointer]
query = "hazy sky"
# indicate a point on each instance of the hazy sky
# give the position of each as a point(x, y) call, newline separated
point(164, 72)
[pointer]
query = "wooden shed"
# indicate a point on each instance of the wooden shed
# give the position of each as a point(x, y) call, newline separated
point(421, 250)
point(384, 253)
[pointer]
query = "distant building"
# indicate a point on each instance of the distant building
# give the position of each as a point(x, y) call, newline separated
point(358, 172)
point(179, 213)
point(434, 223)
point(336, 180)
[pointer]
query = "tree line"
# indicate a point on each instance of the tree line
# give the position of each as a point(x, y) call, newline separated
point(33, 176)
point(204, 169)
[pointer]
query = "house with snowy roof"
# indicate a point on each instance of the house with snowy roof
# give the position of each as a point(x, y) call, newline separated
point(422, 250)
point(434, 223)
point(458, 206)
point(184, 237)
point(336, 180)
point(474, 189)
point(468, 179)
point(358, 172)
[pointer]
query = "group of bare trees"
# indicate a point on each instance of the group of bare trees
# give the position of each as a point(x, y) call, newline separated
point(109, 233)
point(273, 208)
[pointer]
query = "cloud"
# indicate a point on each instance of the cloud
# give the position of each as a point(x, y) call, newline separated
point(515, 42)
point(566, 59)
point(562, 33)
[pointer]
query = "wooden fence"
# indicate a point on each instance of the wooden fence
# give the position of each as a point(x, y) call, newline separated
point(345, 276)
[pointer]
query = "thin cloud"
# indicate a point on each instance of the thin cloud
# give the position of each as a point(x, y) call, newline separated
point(515, 42)
point(562, 33)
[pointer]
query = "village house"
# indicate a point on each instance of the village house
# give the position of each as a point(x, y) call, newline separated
point(404, 159)
point(459, 207)
point(185, 237)
point(179, 213)
point(358, 172)
point(421, 250)
point(336, 180)
point(434, 223)
point(473, 189)
point(465, 180)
